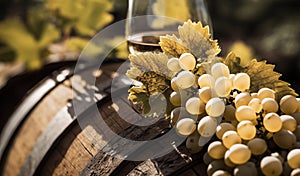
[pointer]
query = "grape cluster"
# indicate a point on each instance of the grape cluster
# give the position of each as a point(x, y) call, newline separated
point(249, 127)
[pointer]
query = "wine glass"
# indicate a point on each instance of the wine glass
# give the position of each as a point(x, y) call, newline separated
point(147, 20)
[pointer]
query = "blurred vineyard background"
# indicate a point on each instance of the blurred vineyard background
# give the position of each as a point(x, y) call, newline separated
point(35, 33)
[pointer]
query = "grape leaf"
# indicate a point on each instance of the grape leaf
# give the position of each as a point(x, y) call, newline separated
point(197, 39)
point(172, 45)
point(149, 62)
point(261, 75)
point(140, 99)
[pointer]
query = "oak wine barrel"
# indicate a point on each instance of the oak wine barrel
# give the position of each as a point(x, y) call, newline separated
point(44, 136)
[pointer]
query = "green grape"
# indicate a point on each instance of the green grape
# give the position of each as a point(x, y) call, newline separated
point(257, 146)
point(278, 156)
point(266, 93)
point(174, 84)
point(288, 122)
point(177, 114)
point(288, 104)
point(206, 93)
point(222, 128)
point(271, 166)
point(269, 105)
point(293, 158)
point(192, 143)
point(214, 166)
point(285, 139)
point(297, 133)
point(223, 86)
point(298, 103)
point(186, 126)
point(175, 98)
point(230, 138)
point(229, 113)
point(241, 81)
point(185, 79)
point(206, 80)
point(215, 107)
point(221, 173)
point(220, 69)
point(242, 99)
point(187, 61)
point(216, 150)
point(272, 122)
point(247, 169)
point(173, 64)
point(255, 103)
point(246, 130)
point(245, 113)
point(239, 154)
point(207, 126)
point(207, 159)
point(295, 172)
point(194, 106)
point(254, 95)
point(296, 116)
point(227, 160)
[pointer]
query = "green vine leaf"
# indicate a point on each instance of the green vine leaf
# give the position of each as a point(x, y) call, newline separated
point(149, 62)
point(140, 99)
point(172, 45)
point(261, 75)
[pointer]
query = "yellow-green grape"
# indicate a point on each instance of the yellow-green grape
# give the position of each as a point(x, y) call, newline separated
point(222, 128)
point(242, 99)
point(207, 126)
point(293, 158)
point(207, 159)
point(220, 69)
point(239, 154)
point(221, 173)
point(297, 133)
point(173, 64)
point(230, 138)
point(246, 130)
point(254, 95)
point(177, 114)
point(216, 150)
point(187, 61)
point(298, 103)
point(272, 122)
point(245, 113)
point(231, 77)
point(229, 113)
point(269, 105)
point(223, 86)
point(254, 122)
point(241, 81)
point(257, 146)
point(214, 166)
point(266, 93)
point(288, 122)
point(247, 169)
point(296, 116)
point(255, 103)
point(185, 79)
point(288, 104)
point(271, 166)
point(186, 126)
point(285, 139)
point(295, 172)
point(278, 156)
point(192, 143)
point(206, 80)
point(227, 160)
point(175, 98)
point(174, 84)
point(215, 107)
point(206, 93)
point(194, 106)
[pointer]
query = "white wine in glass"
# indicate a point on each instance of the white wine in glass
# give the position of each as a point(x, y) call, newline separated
point(147, 20)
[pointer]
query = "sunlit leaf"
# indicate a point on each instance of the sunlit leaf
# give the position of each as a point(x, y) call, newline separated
point(243, 51)
point(68, 9)
point(140, 99)
point(172, 45)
